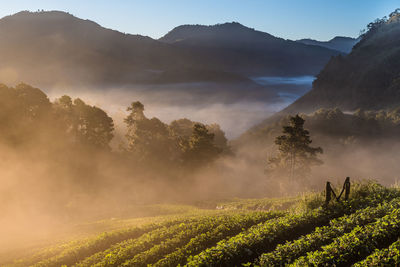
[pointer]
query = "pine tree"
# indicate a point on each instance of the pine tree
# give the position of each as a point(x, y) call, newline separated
point(296, 156)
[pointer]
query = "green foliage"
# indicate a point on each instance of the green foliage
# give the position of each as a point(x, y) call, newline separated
point(122, 251)
point(383, 257)
point(360, 242)
point(150, 245)
point(339, 235)
point(288, 252)
point(267, 204)
point(197, 239)
point(71, 254)
point(248, 244)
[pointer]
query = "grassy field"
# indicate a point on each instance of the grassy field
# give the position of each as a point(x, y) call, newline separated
point(299, 231)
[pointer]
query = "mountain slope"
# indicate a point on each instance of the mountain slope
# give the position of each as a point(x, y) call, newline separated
point(234, 47)
point(368, 78)
point(54, 47)
point(342, 44)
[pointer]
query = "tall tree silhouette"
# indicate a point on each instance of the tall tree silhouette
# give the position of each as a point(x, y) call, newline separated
point(296, 156)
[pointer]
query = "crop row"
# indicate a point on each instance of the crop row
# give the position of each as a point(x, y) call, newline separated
point(119, 253)
point(126, 250)
point(250, 244)
point(357, 244)
point(181, 239)
point(384, 257)
point(175, 251)
point(75, 252)
point(265, 236)
point(288, 252)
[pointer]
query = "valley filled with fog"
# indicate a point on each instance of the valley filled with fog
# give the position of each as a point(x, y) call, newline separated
point(235, 107)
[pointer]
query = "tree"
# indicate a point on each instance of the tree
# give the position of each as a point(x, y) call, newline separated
point(85, 124)
point(220, 139)
point(395, 14)
point(149, 139)
point(11, 113)
point(296, 156)
point(183, 129)
point(200, 149)
point(35, 103)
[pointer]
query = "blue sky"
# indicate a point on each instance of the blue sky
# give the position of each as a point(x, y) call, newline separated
point(291, 19)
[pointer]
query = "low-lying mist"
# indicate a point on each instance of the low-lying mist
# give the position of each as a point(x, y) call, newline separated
point(234, 106)
point(55, 174)
point(48, 182)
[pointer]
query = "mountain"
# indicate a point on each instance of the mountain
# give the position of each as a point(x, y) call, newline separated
point(367, 78)
point(339, 43)
point(51, 47)
point(47, 48)
point(236, 48)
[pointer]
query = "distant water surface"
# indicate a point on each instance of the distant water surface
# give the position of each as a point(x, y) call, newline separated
point(297, 80)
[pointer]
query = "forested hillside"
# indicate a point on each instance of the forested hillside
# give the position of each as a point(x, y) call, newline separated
point(367, 78)
point(334, 124)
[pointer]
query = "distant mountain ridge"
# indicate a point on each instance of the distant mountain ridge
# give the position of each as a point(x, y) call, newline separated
point(55, 47)
point(340, 43)
point(237, 48)
point(225, 32)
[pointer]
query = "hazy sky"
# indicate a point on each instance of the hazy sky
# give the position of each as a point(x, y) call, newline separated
point(291, 19)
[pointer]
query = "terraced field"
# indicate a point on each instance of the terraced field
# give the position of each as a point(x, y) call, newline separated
point(363, 231)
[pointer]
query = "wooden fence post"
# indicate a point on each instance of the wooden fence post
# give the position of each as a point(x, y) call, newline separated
point(329, 191)
point(347, 185)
